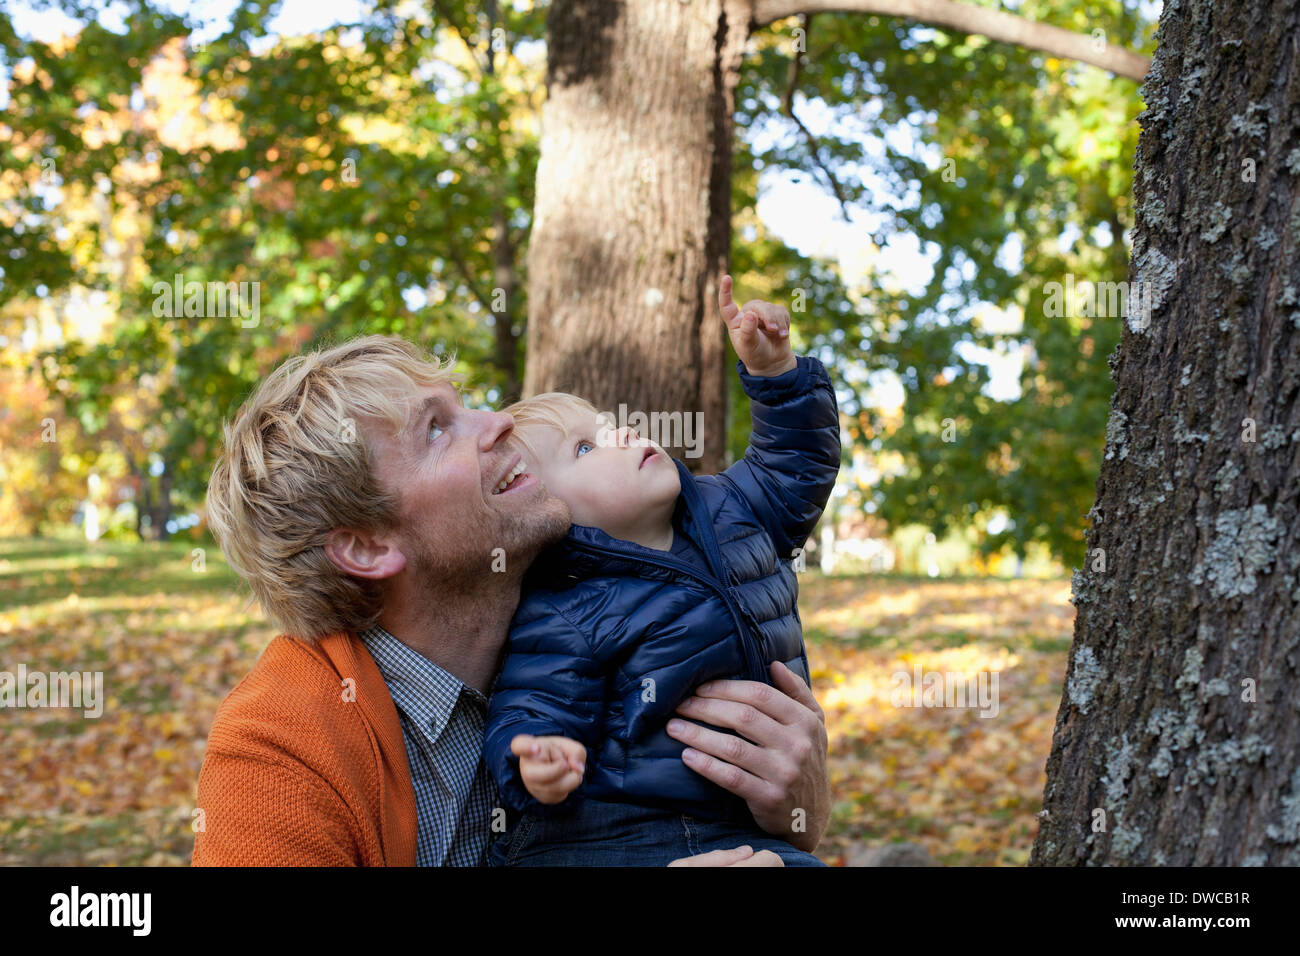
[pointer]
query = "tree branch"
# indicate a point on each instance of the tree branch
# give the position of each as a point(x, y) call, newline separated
point(441, 9)
point(814, 147)
point(967, 18)
point(468, 275)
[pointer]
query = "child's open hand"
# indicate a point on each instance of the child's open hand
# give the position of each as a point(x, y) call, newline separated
point(552, 767)
point(760, 333)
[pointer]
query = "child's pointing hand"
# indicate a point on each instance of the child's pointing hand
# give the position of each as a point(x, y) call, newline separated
point(760, 333)
point(551, 767)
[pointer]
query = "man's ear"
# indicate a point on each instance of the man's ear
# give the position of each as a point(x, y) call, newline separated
point(364, 555)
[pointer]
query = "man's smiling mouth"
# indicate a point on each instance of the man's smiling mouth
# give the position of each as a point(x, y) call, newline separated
point(512, 477)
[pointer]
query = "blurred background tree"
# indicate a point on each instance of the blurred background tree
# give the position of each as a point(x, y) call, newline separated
point(377, 175)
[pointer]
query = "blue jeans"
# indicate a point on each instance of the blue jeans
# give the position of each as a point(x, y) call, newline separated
point(619, 834)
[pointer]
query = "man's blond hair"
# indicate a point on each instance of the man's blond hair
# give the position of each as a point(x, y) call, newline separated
point(295, 465)
point(546, 410)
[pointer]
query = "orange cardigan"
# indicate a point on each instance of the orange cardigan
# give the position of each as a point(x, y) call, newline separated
point(304, 768)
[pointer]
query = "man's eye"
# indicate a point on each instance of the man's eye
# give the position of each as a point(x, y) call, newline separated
point(434, 431)
point(584, 444)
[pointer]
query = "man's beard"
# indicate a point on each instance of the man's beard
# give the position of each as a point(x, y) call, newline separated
point(509, 546)
point(521, 539)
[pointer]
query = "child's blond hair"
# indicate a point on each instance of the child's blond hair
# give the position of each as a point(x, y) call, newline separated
point(546, 410)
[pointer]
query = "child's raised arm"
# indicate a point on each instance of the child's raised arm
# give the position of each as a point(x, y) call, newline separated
point(793, 457)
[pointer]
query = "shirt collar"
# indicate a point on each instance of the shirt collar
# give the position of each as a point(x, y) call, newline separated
point(426, 693)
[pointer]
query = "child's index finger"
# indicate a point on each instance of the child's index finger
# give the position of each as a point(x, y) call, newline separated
point(526, 745)
point(726, 303)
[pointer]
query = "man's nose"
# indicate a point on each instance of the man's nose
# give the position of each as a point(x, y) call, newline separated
point(493, 427)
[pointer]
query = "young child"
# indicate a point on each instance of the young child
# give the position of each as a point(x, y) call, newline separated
point(665, 581)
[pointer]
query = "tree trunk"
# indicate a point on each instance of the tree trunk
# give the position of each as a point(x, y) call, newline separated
point(163, 513)
point(506, 278)
point(632, 225)
point(505, 275)
point(143, 499)
point(1178, 734)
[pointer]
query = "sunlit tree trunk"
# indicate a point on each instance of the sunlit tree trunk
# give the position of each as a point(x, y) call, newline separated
point(632, 224)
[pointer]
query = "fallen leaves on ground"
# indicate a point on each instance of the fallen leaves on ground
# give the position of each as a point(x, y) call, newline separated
point(964, 786)
point(172, 633)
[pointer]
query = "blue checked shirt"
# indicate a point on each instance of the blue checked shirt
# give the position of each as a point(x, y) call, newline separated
point(442, 724)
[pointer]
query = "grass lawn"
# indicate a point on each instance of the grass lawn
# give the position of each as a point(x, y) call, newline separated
point(172, 631)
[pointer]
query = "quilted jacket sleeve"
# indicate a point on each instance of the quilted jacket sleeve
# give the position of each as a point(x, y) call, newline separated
point(793, 457)
point(550, 685)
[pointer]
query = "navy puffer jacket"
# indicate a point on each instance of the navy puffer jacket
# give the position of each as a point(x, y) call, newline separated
point(611, 637)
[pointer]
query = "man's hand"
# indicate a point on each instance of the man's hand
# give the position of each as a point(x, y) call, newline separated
point(740, 856)
point(760, 333)
point(779, 767)
point(551, 767)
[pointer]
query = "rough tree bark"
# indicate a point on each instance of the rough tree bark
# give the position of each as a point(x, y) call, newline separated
point(632, 222)
point(1178, 733)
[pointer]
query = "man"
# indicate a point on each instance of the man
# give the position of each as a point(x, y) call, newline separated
point(380, 524)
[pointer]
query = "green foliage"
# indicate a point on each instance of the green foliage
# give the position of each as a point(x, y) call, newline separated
point(336, 172)
point(1029, 150)
point(341, 171)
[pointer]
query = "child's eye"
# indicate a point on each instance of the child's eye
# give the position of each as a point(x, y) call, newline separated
point(584, 444)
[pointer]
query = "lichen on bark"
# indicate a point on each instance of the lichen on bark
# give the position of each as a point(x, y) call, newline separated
point(1178, 712)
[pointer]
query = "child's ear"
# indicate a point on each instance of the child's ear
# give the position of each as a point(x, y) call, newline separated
point(364, 555)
